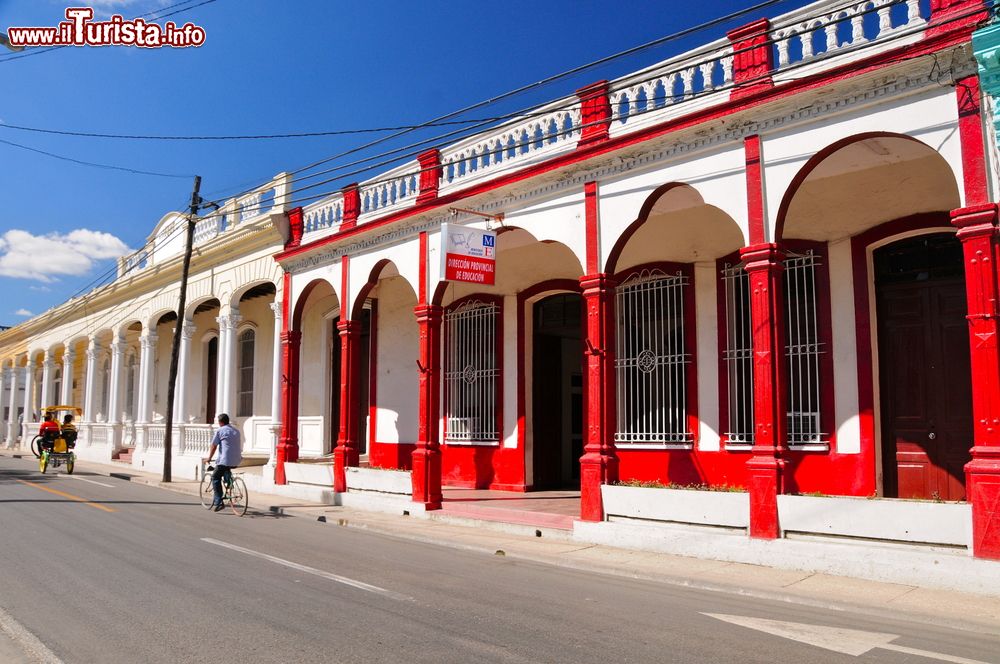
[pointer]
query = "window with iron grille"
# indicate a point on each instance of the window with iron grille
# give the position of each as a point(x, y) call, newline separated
point(737, 355)
point(246, 348)
point(471, 373)
point(803, 349)
point(652, 359)
point(130, 385)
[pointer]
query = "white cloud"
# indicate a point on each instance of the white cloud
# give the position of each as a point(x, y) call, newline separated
point(40, 289)
point(23, 312)
point(46, 257)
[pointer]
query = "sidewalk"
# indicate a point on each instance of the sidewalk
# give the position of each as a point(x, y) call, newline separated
point(955, 609)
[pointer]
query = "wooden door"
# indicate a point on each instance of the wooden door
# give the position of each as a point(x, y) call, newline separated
point(211, 379)
point(925, 388)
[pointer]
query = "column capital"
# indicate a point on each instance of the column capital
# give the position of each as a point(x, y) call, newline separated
point(592, 283)
point(349, 327)
point(762, 256)
point(148, 340)
point(68, 355)
point(29, 363)
point(276, 308)
point(967, 219)
point(188, 330)
point(229, 321)
point(428, 312)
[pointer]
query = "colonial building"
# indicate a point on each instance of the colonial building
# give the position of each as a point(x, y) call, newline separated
point(765, 265)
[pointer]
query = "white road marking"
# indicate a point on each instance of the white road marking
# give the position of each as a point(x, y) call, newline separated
point(84, 479)
point(846, 641)
point(360, 585)
point(28, 641)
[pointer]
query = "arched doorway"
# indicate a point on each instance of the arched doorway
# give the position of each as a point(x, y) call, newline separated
point(557, 391)
point(924, 375)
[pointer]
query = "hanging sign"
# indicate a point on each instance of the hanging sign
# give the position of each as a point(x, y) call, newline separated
point(468, 254)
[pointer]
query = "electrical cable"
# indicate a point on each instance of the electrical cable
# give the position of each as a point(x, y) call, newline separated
point(133, 171)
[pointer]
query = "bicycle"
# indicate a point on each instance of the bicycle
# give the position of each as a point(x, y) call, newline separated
point(235, 491)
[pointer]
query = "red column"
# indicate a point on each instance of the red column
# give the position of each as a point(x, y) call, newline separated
point(595, 113)
point(427, 457)
point(346, 452)
point(977, 229)
point(599, 463)
point(288, 443)
point(352, 207)
point(753, 60)
point(430, 175)
point(765, 468)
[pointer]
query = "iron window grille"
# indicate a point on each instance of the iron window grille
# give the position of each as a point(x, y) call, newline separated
point(471, 373)
point(737, 356)
point(652, 359)
point(803, 350)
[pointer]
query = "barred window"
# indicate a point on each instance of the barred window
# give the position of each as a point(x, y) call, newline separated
point(471, 373)
point(56, 394)
point(803, 349)
point(737, 355)
point(652, 359)
point(246, 349)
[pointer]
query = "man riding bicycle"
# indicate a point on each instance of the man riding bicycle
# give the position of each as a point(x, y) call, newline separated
point(227, 440)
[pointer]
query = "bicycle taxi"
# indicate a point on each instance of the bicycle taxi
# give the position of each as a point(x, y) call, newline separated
point(54, 446)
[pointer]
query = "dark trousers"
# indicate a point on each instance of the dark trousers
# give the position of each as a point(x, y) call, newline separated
point(217, 475)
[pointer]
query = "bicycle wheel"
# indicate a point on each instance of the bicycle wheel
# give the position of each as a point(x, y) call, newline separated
point(43, 462)
point(69, 465)
point(205, 491)
point(36, 446)
point(238, 496)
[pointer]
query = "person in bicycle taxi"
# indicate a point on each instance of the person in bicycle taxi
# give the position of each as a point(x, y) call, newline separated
point(227, 440)
point(49, 430)
point(69, 430)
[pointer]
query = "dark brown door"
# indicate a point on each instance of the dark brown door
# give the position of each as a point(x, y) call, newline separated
point(924, 368)
point(212, 374)
point(557, 392)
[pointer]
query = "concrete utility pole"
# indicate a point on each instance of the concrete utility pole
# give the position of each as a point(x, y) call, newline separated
point(196, 204)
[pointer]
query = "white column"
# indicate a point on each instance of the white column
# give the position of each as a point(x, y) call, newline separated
point(147, 344)
point(4, 385)
point(114, 406)
point(227, 360)
point(67, 377)
point(90, 380)
point(183, 359)
point(29, 390)
point(48, 364)
point(10, 380)
point(275, 384)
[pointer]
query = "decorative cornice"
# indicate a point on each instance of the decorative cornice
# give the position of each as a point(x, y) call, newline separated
point(865, 91)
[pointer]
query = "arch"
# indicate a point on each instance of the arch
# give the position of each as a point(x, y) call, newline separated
point(907, 150)
point(253, 287)
point(303, 298)
point(154, 320)
point(373, 277)
point(201, 303)
point(712, 235)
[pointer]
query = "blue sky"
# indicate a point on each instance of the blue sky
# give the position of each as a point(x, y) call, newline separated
point(268, 67)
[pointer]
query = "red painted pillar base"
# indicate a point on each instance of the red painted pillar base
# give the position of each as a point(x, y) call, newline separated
point(426, 473)
point(346, 453)
point(764, 475)
point(977, 230)
point(288, 443)
point(766, 469)
point(599, 463)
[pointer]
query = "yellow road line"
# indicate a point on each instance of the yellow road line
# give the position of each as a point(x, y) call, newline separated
point(69, 495)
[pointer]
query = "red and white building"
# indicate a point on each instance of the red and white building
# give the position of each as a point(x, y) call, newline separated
point(765, 265)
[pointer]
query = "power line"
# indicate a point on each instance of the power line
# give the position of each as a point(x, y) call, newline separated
point(125, 169)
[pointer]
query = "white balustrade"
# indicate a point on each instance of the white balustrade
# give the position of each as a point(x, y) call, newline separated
point(548, 131)
point(197, 439)
point(325, 215)
point(648, 96)
point(389, 191)
point(809, 34)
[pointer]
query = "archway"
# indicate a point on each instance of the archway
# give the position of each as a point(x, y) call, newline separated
point(315, 316)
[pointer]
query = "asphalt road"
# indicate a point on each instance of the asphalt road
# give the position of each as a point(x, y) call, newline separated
point(101, 570)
